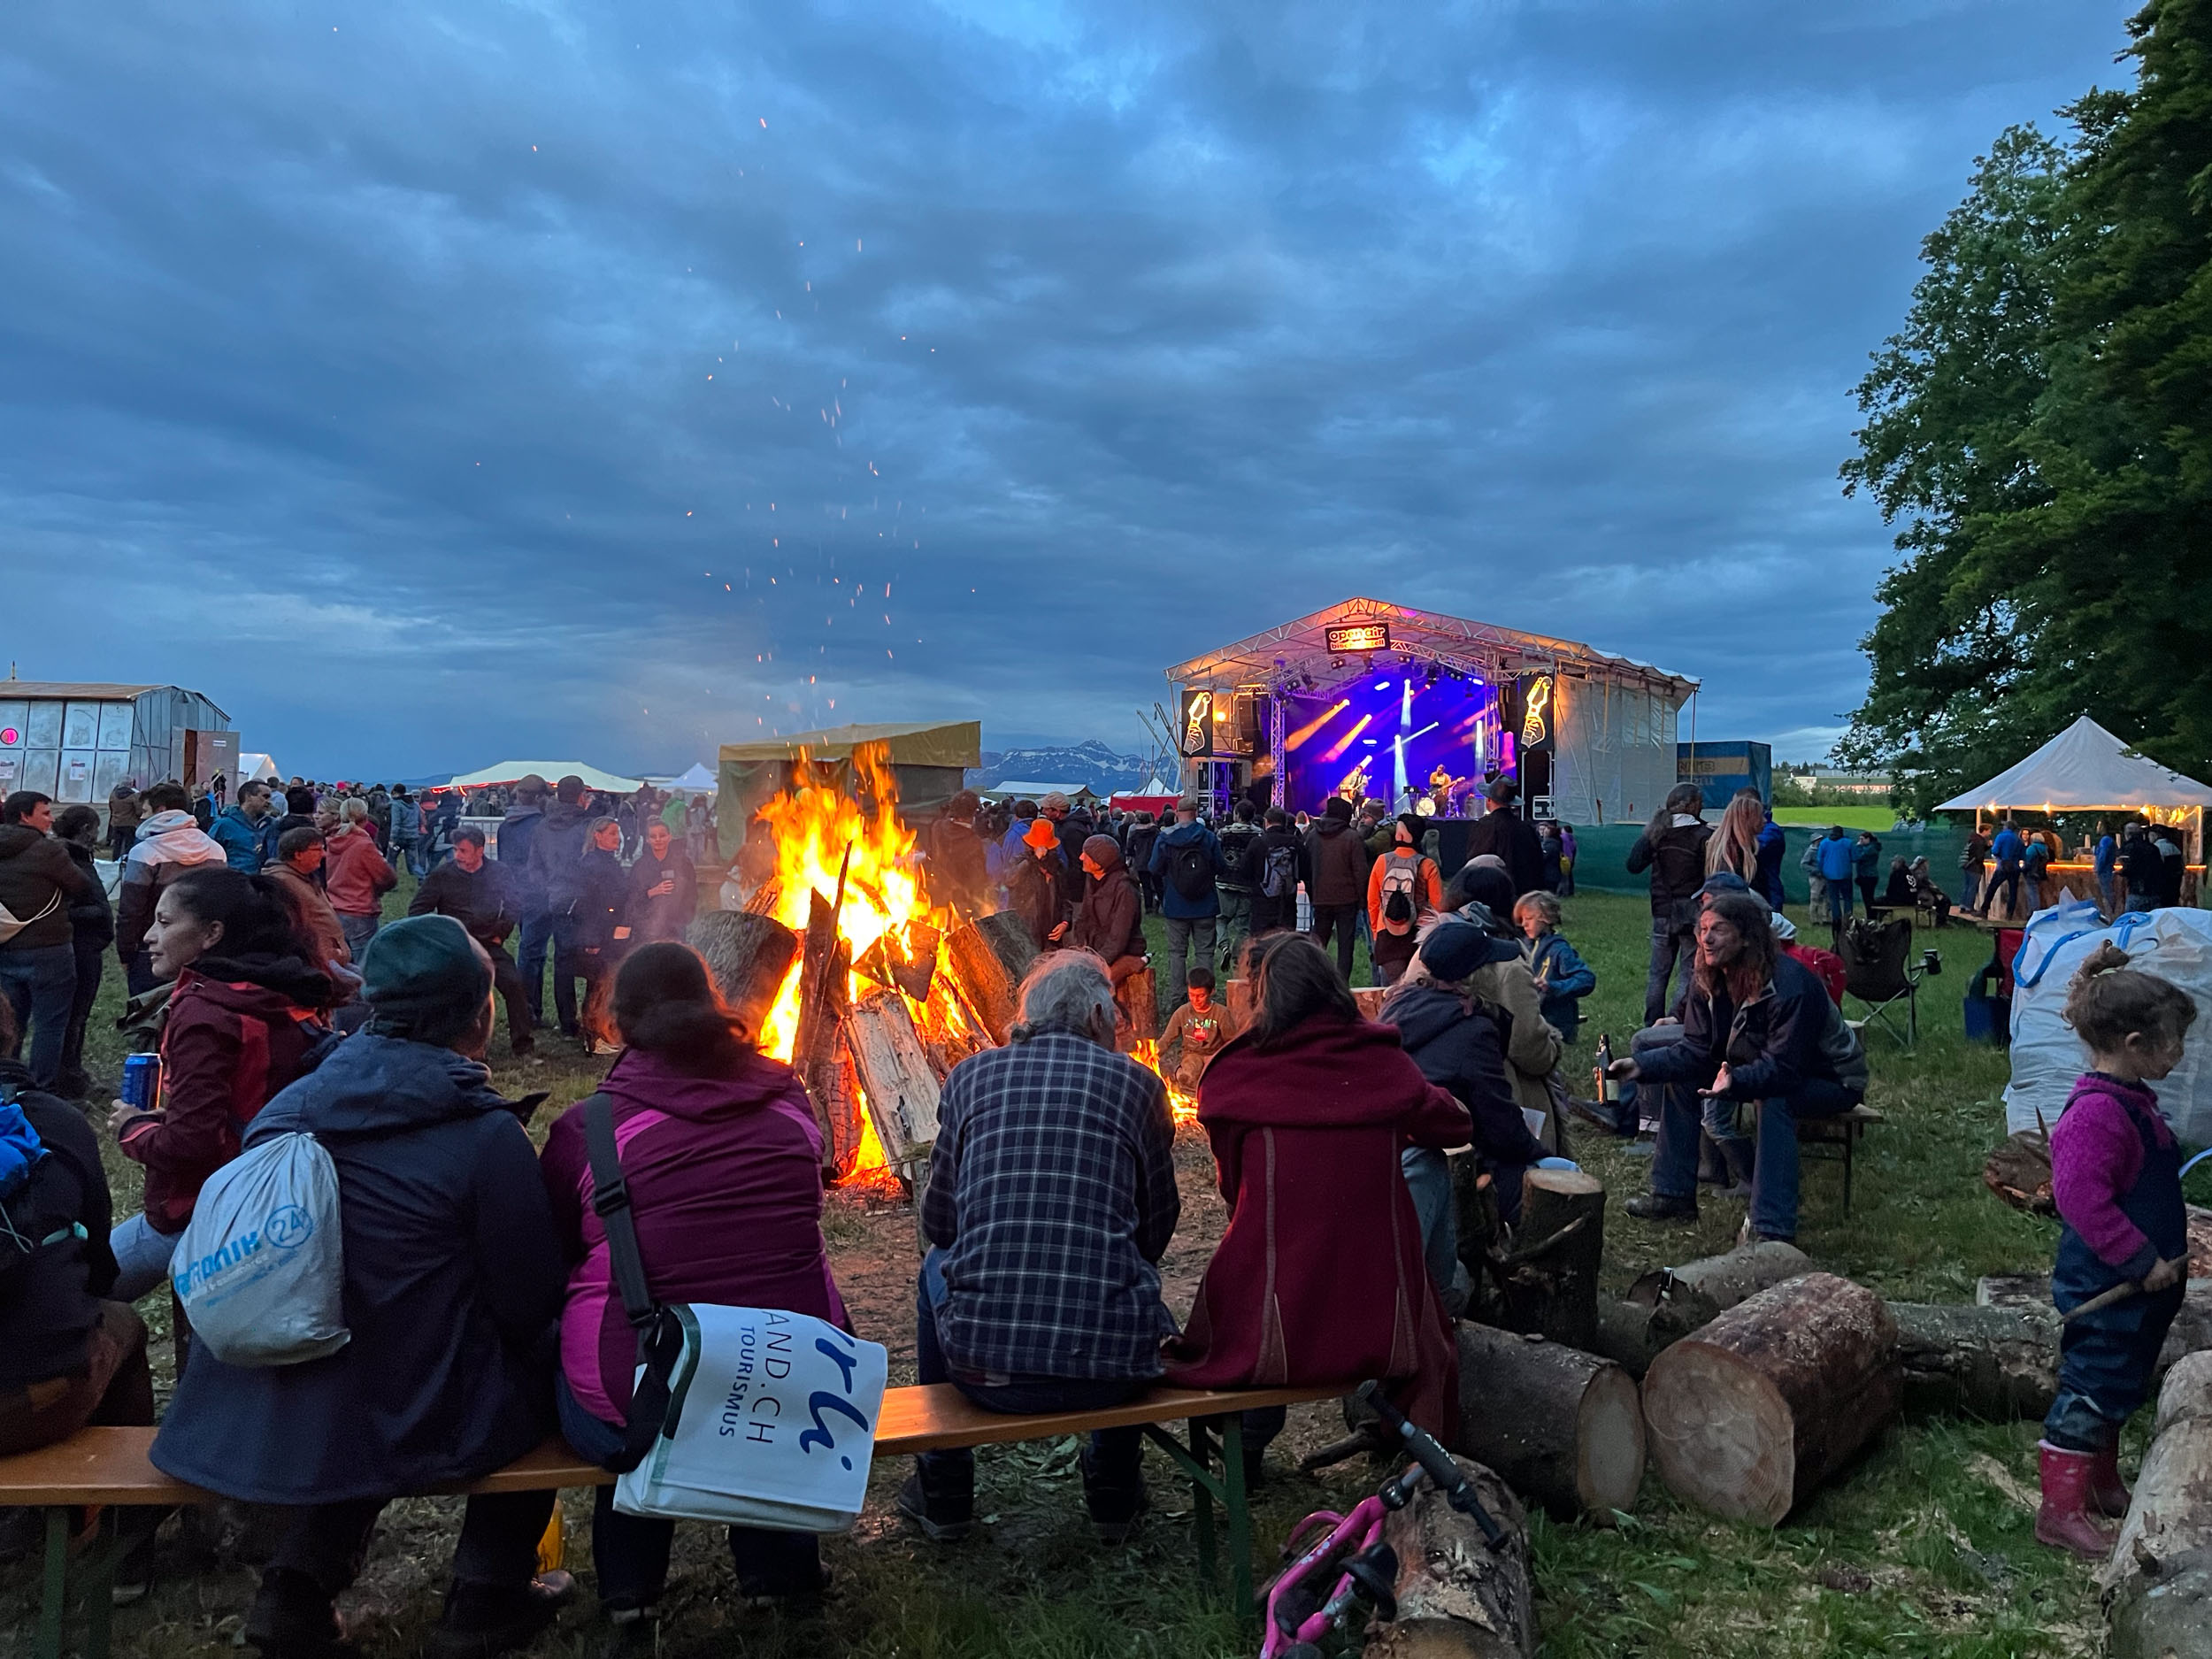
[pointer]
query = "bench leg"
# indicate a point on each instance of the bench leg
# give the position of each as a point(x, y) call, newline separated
point(1201, 1497)
point(1207, 1487)
point(95, 1582)
point(1850, 1146)
point(1234, 1501)
point(56, 1582)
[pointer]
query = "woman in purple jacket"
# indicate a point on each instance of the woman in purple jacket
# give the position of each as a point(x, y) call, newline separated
point(724, 1165)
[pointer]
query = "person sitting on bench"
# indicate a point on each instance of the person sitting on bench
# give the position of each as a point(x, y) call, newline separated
point(1051, 1199)
point(454, 1277)
point(67, 1356)
point(723, 1160)
point(1319, 1277)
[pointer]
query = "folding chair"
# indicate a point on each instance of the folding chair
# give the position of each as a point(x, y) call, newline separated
point(1874, 971)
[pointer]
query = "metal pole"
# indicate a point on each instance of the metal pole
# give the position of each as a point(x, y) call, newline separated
point(1275, 748)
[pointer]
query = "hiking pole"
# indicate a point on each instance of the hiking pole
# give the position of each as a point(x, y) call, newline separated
point(2102, 1300)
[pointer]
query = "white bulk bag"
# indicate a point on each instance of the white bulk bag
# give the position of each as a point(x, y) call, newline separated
point(2047, 1056)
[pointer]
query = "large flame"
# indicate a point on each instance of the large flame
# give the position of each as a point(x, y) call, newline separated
point(813, 823)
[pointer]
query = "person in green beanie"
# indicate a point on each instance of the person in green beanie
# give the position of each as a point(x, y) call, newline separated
point(454, 1278)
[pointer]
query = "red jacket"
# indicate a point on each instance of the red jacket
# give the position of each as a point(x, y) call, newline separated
point(1824, 966)
point(1319, 1278)
point(229, 1046)
point(355, 875)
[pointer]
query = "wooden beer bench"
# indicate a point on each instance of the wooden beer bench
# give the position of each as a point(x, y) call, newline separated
point(108, 1468)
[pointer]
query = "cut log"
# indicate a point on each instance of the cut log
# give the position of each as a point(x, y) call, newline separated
point(750, 956)
point(2019, 1172)
point(2158, 1583)
point(1722, 1281)
point(1997, 1363)
point(1139, 998)
point(1564, 1428)
point(1237, 998)
point(1750, 1414)
point(985, 959)
point(894, 1075)
point(2191, 1332)
point(904, 957)
point(1458, 1599)
point(1550, 1275)
point(817, 1053)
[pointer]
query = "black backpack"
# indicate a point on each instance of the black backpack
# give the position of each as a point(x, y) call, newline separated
point(1190, 871)
point(1238, 842)
point(1278, 872)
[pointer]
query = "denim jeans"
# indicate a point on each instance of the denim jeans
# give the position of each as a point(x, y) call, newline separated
point(1970, 888)
point(414, 851)
point(1429, 1179)
point(41, 984)
point(358, 931)
point(1838, 903)
point(1774, 1179)
point(2139, 903)
point(1670, 945)
point(1116, 1456)
point(629, 1553)
point(2108, 890)
point(91, 957)
point(535, 938)
point(1236, 927)
point(1181, 936)
point(141, 1257)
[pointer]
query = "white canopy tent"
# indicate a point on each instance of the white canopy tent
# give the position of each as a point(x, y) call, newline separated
point(551, 770)
point(256, 768)
point(699, 780)
point(2085, 768)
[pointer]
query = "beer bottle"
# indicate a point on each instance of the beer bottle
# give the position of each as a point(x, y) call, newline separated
point(1608, 1088)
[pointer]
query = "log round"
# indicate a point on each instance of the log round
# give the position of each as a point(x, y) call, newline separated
point(2158, 1583)
point(1565, 1429)
point(1457, 1599)
point(1724, 1280)
point(1551, 1273)
point(1749, 1415)
point(1997, 1363)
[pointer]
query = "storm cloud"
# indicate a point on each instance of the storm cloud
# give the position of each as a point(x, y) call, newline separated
point(431, 384)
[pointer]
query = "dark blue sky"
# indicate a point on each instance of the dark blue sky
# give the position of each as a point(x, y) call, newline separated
point(412, 381)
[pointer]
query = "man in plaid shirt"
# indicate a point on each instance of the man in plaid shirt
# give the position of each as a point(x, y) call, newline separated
point(1051, 1199)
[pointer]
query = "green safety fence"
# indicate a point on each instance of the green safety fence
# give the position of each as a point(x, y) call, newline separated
point(1602, 858)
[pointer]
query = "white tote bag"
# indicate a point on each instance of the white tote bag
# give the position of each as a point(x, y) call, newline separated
point(752, 1416)
point(771, 1422)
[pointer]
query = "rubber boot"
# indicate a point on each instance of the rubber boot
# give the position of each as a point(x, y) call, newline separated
point(2064, 1521)
point(2108, 1495)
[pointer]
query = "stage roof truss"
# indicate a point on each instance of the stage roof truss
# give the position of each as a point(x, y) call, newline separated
point(1281, 657)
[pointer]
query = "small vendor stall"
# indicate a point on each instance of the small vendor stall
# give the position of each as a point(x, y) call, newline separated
point(2086, 771)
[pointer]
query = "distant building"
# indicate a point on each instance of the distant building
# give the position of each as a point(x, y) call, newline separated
point(76, 742)
point(1875, 786)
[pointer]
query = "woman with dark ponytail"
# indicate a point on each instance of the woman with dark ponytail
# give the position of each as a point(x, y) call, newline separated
point(723, 1160)
point(244, 1012)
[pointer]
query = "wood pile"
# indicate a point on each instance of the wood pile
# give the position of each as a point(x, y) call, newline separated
point(1457, 1598)
point(2158, 1583)
point(1564, 1428)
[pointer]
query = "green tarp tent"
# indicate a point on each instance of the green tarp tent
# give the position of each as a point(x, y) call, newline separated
point(929, 762)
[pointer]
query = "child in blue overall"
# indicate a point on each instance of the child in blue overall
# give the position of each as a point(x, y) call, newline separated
point(2116, 1175)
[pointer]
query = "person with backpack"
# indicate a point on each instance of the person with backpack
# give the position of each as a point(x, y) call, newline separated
point(1279, 865)
point(453, 1278)
point(1188, 860)
point(1404, 889)
point(243, 1020)
point(1838, 865)
point(722, 1160)
point(1673, 848)
point(1240, 842)
point(1336, 880)
point(1756, 1027)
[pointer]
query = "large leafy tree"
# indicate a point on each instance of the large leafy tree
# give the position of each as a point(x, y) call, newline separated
point(2041, 432)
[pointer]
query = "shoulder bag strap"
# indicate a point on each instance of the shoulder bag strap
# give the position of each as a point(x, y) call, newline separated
point(659, 1335)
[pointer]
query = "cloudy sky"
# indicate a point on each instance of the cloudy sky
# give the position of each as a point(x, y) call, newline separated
point(434, 385)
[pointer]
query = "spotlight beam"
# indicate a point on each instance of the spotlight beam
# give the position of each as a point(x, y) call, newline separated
point(1314, 725)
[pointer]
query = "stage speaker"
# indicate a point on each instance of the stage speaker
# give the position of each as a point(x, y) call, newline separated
point(1245, 723)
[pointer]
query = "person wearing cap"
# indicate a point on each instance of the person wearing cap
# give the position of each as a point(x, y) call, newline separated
point(1503, 831)
point(454, 1278)
point(1336, 878)
point(1037, 884)
point(1188, 860)
point(1404, 888)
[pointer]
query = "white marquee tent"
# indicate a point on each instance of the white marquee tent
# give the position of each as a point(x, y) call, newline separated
point(699, 780)
point(2085, 768)
point(551, 770)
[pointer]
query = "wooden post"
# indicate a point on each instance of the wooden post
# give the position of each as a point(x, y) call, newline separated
point(750, 956)
point(2158, 1583)
point(1458, 1599)
point(1550, 1275)
point(1752, 1413)
point(985, 959)
point(1564, 1428)
point(894, 1075)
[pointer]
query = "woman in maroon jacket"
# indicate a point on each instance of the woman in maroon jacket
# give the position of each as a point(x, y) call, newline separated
point(723, 1161)
point(244, 1014)
point(1319, 1278)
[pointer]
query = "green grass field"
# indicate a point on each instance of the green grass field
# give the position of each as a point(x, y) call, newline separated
point(1922, 1547)
point(1877, 818)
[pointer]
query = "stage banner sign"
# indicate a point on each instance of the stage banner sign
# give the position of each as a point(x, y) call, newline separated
point(1195, 731)
point(1538, 731)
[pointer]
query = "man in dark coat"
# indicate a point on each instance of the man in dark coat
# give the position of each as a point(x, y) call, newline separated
point(454, 1278)
point(1503, 831)
point(473, 891)
point(1336, 880)
point(664, 887)
point(1279, 865)
point(38, 964)
point(959, 874)
point(519, 833)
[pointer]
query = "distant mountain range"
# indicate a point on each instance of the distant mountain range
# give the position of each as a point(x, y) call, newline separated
point(1089, 763)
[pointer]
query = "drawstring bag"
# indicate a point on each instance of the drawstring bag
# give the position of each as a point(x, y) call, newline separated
point(754, 1416)
point(260, 1268)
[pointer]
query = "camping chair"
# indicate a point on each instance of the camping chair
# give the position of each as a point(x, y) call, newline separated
point(1874, 971)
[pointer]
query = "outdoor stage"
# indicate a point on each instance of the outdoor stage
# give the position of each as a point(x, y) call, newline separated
point(1372, 701)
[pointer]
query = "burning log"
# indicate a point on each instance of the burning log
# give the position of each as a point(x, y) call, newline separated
point(1139, 1000)
point(750, 956)
point(987, 958)
point(894, 1074)
point(905, 958)
point(1752, 1413)
point(817, 1053)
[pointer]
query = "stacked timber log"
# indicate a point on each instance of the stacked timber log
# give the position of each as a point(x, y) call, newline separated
point(987, 957)
point(1665, 1306)
point(1751, 1412)
point(1548, 1282)
point(1457, 1598)
point(2158, 1583)
point(1564, 1428)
